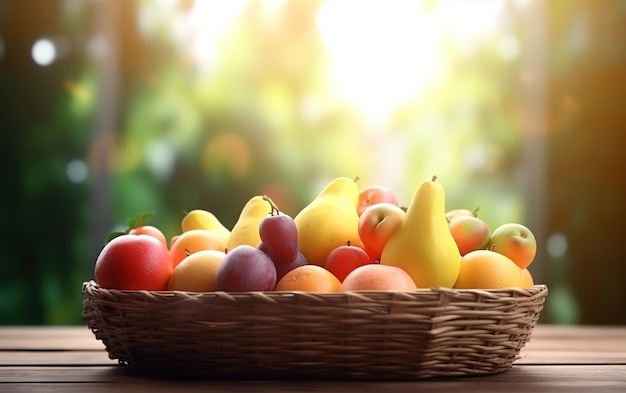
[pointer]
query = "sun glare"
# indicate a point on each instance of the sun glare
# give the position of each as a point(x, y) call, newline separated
point(209, 21)
point(380, 53)
point(383, 53)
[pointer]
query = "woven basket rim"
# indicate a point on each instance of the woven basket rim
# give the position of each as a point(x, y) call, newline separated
point(538, 288)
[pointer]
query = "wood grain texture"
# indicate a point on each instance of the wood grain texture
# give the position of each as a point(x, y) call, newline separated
point(70, 359)
point(48, 338)
point(518, 379)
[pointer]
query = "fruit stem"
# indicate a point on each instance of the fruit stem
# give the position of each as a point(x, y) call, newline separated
point(434, 178)
point(273, 208)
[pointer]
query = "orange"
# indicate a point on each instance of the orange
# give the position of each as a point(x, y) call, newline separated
point(133, 262)
point(197, 272)
point(486, 269)
point(375, 277)
point(149, 230)
point(193, 241)
point(309, 278)
point(529, 282)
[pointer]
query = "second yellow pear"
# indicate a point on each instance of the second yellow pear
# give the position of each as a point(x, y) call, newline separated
point(328, 221)
point(246, 229)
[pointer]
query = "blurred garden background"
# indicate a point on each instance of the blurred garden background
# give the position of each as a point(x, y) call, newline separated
point(109, 108)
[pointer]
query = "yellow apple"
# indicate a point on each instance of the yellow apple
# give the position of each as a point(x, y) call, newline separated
point(515, 241)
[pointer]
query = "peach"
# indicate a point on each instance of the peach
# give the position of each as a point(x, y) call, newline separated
point(374, 277)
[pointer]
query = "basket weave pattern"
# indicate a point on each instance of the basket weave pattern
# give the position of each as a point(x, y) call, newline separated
point(352, 335)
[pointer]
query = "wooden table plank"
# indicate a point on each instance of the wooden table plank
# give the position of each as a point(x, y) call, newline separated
point(108, 374)
point(52, 338)
point(576, 331)
point(60, 358)
point(571, 357)
point(565, 344)
point(520, 378)
point(465, 387)
point(55, 358)
point(100, 357)
point(544, 337)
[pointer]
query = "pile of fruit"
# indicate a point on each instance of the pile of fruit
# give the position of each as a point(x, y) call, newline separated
point(346, 239)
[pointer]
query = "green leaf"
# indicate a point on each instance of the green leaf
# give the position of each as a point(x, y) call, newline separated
point(137, 221)
point(113, 235)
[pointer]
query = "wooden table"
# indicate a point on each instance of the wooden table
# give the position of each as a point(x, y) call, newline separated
point(70, 359)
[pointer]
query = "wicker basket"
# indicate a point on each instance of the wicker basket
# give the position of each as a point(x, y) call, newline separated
point(356, 335)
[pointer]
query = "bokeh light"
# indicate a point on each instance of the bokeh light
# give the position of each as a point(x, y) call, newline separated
point(76, 171)
point(44, 52)
point(227, 154)
point(557, 245)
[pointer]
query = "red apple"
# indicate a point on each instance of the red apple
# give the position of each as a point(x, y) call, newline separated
point(134, 262)
point(377, 223)
point(470, 233)
point(344, 259)
point(374, 194)
point(516, 242)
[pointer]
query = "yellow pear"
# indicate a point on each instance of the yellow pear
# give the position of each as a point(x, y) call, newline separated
point(328, 221)
point(203, 219)
point(423, 245)
point(246, 229)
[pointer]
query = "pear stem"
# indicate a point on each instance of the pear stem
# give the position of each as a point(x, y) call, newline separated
point(274, 211)
point(434, 178)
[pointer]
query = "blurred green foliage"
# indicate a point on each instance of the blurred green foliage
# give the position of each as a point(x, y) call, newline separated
point(264, 119)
